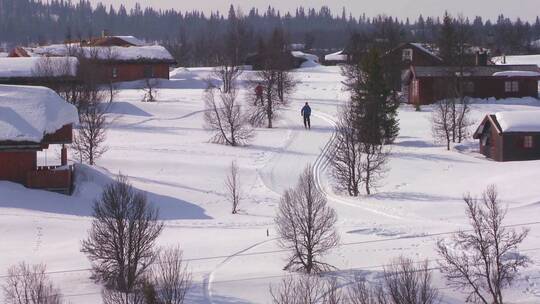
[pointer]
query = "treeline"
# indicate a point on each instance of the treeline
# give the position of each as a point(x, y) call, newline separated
point(36, 21)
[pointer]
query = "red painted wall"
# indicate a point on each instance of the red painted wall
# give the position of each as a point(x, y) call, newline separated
point(135, 71)
point(14, 166)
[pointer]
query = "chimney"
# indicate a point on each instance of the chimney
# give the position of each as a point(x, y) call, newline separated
point(481, 58)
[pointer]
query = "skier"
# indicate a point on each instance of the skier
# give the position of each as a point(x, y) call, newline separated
point(306, 113)
point(259, 94)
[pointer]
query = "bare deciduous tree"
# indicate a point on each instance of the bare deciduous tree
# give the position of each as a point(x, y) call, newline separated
point(486, 259)
point(121, 240)
point(224, 117)
point(171, 277)
point(150, 90)
point(233, 186)
point(402, 282)
point(345, 156)
point(306, 225)
point(442, 122)
point(373, 163)
point(27, 284)
point(89, 139)
point(306, 289)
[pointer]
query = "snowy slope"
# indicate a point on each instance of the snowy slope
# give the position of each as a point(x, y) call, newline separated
point(164, 150)
point(29, 113)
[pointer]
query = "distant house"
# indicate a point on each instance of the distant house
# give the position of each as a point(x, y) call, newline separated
point(428, 84)
point(510, 136)
point(38, 71)
point(32, 119)
point(340, 57)
point(118, 58)
point(290, 60)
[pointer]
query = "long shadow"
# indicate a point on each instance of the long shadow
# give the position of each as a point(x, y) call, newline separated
point(89, 183)
point(22, 126)
point(414, 144)
point(429, 157)
point(276, 150)
point(200, 299)
point(414, 196)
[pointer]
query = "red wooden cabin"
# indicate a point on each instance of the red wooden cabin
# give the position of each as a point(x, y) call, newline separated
point(428, 84)
point(510, 136)
point(25, 131)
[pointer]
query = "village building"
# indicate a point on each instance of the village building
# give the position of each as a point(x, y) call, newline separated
point(510, 136)
point(31, 120)
point(428, 84)
point(116, 58)
point(337, 58)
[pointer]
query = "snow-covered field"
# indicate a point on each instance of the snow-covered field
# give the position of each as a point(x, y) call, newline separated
point(164, 150)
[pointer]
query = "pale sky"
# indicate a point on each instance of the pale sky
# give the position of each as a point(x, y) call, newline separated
point(525, 9)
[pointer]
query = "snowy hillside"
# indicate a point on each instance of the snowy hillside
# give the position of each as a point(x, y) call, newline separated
point(164, 150)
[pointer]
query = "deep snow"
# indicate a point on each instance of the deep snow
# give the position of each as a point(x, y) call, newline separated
point(164, 150)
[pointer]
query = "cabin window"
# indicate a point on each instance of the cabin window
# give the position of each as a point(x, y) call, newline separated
point(511, 86)
point(149, 72)
point(407, 55)
point(468, 87)
point(114, 72)
point(528, 142)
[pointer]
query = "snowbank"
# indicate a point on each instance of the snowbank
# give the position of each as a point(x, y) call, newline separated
point(519, 121)
point(311, 60)
point(3, 54)
point(29, 66)
point(132, 53)
point(517, 74)
point(29, 113)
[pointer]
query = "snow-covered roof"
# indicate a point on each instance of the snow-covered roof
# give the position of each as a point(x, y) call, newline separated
point(3, 54)
point(309, 57)
point(426, 49)
point(517, 59)
point(27, 114)
point(132, 53)
point(337, 56)
point(131, 40)
point(518, 74)
point(519, 121)
point(17, 67)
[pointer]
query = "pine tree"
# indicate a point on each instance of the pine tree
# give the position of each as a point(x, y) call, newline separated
point(447, 41)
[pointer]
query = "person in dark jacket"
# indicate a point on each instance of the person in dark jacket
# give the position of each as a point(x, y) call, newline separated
point(306, 113)
point(259, 94)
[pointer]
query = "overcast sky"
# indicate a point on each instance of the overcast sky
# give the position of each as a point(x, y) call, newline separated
point(525, 9)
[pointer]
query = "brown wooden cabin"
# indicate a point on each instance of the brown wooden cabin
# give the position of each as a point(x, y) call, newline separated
point(428, 84)
point(18, 163)
point(120, 70)
point(288, 61)
point(501, 145)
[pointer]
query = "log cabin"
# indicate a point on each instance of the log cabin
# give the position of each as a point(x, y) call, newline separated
point(116, 58)
point(510, 136)
point(31, 120)
point(428, 84)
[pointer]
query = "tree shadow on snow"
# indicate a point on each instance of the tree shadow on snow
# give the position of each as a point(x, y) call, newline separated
point(89, 183)
point(126, 108)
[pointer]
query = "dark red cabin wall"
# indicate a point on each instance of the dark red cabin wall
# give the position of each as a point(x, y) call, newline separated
point(62, 136)
point(14, 166)
point(514, 150)
point(135, 71)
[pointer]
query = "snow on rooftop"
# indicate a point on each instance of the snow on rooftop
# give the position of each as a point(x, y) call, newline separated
point(337, 56)
point(132, 53)
point(311, 60)
point(517, 74)
point(3, 54)
point(132, 40)
point(518, 59)
point(29, 113)
point(519, 121)
point(36, 66)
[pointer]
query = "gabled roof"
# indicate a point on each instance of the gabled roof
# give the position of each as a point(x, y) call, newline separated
point(510, 122)
point(472, 71)
point(27, 114)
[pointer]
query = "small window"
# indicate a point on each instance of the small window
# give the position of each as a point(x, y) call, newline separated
point(468, 87)
point(511, 86)
point(149, 72)
point(114, 72)
point(528, 142)
point(407, 55)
